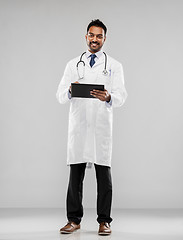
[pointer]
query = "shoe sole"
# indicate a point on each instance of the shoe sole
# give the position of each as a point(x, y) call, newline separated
point(104, 233)
point(65, 232)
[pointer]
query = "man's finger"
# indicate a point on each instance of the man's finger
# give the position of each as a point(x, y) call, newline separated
point(97, 94)
point(99, 91)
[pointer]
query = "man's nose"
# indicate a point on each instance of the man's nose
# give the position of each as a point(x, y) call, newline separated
point(95, 38)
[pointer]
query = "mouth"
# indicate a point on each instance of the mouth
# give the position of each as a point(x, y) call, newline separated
point(94, 44)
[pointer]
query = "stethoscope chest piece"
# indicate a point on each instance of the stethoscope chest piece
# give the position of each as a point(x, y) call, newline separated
point(105, 72)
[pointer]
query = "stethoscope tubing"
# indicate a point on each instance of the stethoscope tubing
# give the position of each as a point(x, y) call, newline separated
point(81, 61)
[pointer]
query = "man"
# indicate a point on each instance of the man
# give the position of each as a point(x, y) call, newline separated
point(90, 126)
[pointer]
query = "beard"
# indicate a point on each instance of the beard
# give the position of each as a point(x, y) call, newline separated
point(94, 46)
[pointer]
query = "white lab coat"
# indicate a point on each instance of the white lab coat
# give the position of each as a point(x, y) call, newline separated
point(91, 120)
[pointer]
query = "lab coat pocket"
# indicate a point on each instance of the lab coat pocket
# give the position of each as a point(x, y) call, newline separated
point(107, 82)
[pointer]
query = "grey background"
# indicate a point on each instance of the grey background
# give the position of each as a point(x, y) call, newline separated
point(37, 39)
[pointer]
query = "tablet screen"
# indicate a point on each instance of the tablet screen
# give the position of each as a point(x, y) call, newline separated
point(82, 90)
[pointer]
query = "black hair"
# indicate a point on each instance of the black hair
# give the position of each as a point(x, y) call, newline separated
point(97, 23)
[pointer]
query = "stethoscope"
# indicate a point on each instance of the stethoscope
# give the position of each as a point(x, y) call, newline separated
point(105, 72)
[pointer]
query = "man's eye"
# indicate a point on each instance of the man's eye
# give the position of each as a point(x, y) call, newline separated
point(90, 35)
point(100, 37)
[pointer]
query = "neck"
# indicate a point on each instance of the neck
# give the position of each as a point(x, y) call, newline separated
point(93, 51)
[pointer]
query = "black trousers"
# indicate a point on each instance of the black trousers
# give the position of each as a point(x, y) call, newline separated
point(75, 193)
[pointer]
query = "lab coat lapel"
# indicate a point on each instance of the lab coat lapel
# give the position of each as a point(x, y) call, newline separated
point(86, 61)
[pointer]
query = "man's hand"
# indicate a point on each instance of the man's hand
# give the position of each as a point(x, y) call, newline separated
point(70, 86)
point(101, 95)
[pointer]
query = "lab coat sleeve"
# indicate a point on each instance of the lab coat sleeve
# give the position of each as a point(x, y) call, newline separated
point(63, 88)
point(108, 104)
point(118, 91)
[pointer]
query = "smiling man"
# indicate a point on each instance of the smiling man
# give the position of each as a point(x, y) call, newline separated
point(95, 38)
point(90, 126)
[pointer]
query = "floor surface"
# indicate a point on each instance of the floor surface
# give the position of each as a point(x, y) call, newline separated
point(128, 224)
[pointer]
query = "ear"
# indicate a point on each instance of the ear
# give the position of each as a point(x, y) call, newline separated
point(86, 36)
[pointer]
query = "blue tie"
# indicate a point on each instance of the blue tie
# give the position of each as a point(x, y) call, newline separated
point(92, 61)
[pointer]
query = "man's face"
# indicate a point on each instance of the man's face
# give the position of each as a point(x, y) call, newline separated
point(95, 39)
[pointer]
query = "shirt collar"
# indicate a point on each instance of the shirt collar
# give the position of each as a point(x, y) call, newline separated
point(98, 54)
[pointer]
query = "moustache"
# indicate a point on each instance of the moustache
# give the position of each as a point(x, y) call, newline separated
point(94, 42)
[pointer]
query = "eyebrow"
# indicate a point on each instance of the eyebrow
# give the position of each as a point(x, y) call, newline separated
point(95, 34)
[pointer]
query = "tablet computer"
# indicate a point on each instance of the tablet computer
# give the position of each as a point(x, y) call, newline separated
point(82, 90)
